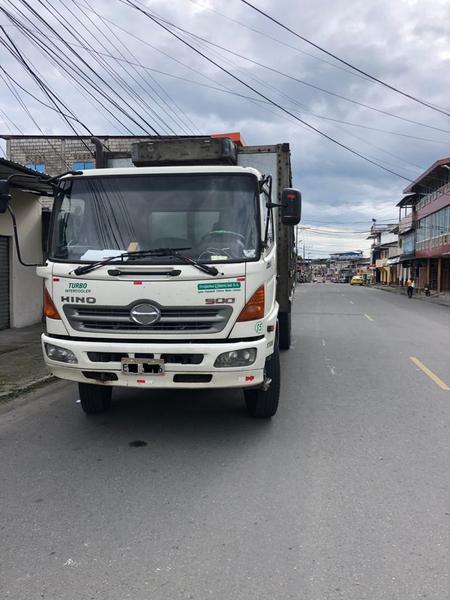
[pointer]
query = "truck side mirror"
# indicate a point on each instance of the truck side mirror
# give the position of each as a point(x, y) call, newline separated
point(5, 196)
point(291, 206)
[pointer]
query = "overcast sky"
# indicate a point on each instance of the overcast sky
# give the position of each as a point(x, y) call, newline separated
point(405, 43)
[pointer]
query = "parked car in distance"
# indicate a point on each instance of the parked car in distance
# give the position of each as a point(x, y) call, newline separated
point(357, 280)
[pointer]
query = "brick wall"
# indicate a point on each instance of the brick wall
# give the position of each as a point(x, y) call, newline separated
point(58, 154)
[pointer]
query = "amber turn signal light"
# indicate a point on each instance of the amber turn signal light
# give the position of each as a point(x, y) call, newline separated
point(49, 308)
point(254, 309)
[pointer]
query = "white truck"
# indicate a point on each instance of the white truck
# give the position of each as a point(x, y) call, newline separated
point(178, 272)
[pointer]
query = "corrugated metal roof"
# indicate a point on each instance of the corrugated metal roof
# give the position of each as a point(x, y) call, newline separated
point(429, 175)
point(35, 184)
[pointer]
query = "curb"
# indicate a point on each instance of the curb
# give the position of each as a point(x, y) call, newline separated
point(431, 300)
point(7, 396)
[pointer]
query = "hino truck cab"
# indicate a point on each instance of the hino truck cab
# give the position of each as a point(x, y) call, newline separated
point(177, 272)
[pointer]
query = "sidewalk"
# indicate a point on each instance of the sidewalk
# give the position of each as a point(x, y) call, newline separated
point(443, 298)
point(21, 363)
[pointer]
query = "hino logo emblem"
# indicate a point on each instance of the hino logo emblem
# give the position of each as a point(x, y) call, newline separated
point(145, 314)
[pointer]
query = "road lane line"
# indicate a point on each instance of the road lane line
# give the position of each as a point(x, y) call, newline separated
point(367, 317)
point(437, 380)
point(324, 343)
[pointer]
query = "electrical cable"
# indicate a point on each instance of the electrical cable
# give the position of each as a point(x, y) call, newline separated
point(19, 99)
point(91, 70)
point(21, 59)
point(379, 162)
point(115, 76)
point(177, 107)
point(6, 118)
point(285, 44)
point(51, 94)
point(293, 78)
point(344, 62)
point(265, 84)
point(72, 71)
point(237, 94)
point(17, 84)
point(279, 106)
point(55, 14)
point(224, 89)
point(53, 56)
point(112, 72)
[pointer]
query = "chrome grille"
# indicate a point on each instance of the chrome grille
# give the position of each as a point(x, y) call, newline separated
point(111, 319)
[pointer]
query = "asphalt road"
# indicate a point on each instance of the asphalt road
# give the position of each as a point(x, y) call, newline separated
point(345, 494)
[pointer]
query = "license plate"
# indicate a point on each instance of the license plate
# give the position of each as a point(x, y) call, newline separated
point(142, 366)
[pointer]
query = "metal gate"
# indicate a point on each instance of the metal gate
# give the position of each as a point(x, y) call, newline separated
point(4, 282)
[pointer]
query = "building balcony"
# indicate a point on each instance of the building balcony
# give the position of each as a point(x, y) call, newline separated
point(381, 262)
point(406, 224)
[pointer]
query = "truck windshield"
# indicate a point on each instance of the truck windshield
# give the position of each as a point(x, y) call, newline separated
point(213, 215)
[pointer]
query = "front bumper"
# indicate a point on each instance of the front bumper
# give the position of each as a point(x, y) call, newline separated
point(202, 375)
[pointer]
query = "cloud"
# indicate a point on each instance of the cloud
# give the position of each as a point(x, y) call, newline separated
point(399, 42)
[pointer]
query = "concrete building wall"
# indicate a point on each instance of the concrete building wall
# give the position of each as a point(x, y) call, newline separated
point(26, 287)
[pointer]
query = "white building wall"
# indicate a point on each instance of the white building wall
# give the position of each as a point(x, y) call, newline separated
point(388, 237)
point(26, 289)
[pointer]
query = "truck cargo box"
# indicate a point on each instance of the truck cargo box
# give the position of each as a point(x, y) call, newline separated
point(184, 151)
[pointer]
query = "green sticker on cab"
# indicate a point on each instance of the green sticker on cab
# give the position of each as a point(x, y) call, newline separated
point(219, 286)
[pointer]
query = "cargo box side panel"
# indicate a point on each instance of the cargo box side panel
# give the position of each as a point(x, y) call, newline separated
point(275, 160)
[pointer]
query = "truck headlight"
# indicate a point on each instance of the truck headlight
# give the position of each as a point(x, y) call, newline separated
point(236, 358)
point(60, 354)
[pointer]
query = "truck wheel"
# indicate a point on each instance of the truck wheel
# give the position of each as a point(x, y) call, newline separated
point(284, 329)
point(262, 403)
point(94, 399)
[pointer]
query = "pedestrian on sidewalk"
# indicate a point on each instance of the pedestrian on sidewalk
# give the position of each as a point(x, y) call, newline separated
point(410, 287)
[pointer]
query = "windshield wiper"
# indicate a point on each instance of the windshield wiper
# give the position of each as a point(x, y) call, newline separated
point(151, 252)
point(138, 253)
point(189, 261)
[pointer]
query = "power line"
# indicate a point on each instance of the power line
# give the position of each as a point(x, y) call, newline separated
point(315, 222)
point(54, 57)
point(15, 52)
point(305, 109)
point(226, 90)
point(17, 96)
point(89, 69)
point(285, 44)
point(376, 161)
point(71, 69)
point(62, 22)
point(155, 81)
point(113, 73)
point(17, 84)
point(296, 79)
point(279, 106)
point(151, 112)
point(344, 62)
point(7, 118)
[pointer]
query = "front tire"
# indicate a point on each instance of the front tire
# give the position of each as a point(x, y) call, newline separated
point(94, 399)
point(261, 403)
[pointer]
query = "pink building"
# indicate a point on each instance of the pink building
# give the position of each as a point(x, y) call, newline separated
point(429, 196)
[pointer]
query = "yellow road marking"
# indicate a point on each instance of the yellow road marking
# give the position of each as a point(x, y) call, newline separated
point(437, 380)
point(367, 317)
